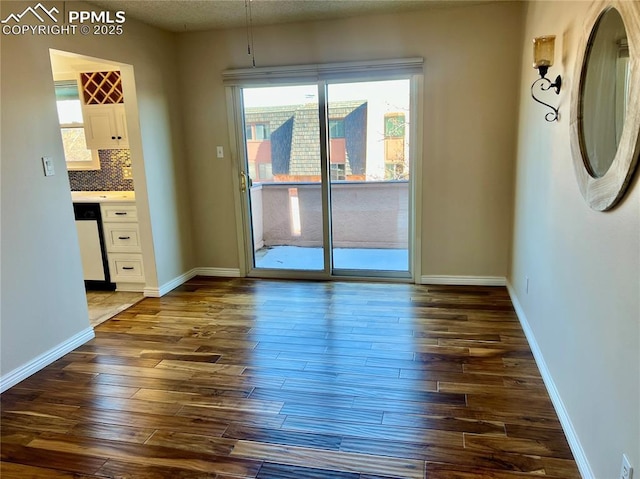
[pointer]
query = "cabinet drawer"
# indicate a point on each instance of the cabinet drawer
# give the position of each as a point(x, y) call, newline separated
point(119, 213)
point(126, 268)
point(122, 237)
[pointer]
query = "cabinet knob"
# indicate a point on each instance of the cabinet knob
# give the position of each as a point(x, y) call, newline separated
point(127, 267)
point(121, 213)
point(119, 138)
point(124, 237)
point(113, 137)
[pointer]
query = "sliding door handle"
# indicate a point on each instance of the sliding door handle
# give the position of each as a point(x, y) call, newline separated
point(245, 182)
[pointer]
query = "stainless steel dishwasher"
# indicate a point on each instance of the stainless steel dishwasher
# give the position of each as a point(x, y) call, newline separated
point(95, 266)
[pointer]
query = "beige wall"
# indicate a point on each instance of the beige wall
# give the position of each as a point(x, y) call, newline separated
point(43, 301)
point(470, 101)
point(583, 266)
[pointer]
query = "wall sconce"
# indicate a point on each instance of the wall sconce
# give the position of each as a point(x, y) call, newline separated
point(543, 52)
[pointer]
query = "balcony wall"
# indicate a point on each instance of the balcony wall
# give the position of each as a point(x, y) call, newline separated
point(365, 214)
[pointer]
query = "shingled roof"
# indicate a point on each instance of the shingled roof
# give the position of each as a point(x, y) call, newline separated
point(295, 135)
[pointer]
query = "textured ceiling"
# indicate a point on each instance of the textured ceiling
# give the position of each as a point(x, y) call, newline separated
point(194, 15)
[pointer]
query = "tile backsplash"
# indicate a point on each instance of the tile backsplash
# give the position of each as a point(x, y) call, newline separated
point(108, 178)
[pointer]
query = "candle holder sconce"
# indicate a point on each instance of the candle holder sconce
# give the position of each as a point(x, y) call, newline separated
point(543, 53)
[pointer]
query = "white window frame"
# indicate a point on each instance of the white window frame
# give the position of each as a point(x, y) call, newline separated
point(92, 165)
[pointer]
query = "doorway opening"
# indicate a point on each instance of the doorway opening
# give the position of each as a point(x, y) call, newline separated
point(92, 110)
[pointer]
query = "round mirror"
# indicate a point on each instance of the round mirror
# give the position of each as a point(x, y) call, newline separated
point(604, 92)
point(605, 117)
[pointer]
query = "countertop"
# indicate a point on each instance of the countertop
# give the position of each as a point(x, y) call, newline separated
point(102, 196)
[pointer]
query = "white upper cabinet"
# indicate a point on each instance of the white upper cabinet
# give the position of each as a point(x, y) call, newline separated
point(105, 126)
point(103, 110)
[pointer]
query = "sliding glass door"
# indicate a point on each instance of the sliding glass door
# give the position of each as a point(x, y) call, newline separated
point(282, 154)
point(369, 166)
point(327, 178)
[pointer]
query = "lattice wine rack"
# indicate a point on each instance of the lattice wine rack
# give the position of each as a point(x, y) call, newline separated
point(102, 88)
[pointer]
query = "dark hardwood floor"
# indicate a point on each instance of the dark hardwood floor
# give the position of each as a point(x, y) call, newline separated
point(235, 378)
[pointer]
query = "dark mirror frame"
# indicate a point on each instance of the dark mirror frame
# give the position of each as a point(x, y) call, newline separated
point(605, 192)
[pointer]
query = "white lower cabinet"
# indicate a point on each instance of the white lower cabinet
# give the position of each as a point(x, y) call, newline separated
point(122, 239)
point(126, 268)
point(119, 213)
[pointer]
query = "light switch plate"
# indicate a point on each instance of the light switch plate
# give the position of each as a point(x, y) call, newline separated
point(626, 471)
point(47, 164)
point(219, 152)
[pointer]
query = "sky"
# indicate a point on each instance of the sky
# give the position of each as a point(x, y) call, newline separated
point(394, 92)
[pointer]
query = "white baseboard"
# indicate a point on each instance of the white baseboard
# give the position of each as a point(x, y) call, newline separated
point(36, 364)
point(14, 377)
point(130, 287)
point(220, 272)
point(235, 273)
point(178, 280)
point(464, 280)
point(169, 285)
point(563, 415)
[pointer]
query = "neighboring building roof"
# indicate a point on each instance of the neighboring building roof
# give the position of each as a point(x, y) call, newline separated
point(295, 135)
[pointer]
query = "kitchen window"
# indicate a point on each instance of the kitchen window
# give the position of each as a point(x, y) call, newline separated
point(76, 154)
